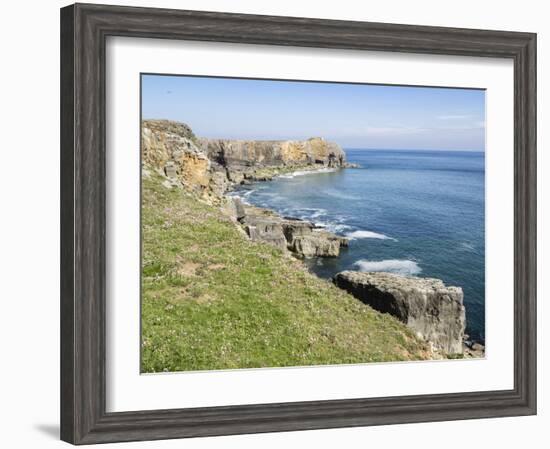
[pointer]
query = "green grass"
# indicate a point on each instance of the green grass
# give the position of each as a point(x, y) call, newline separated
point(211, 299)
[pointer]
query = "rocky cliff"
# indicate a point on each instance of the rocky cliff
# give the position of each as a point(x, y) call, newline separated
point(435, 312)
point(211, 167)
point(244, 155)
point(174, 150)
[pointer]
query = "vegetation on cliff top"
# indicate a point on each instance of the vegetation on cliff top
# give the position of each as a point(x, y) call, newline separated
point(211, 299)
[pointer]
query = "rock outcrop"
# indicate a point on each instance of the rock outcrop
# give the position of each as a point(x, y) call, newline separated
point(241, 156)
point(435, 312)
point(212, 166)
point(473, 350)
point(173, 149)
point(300, 237)
point(260, 160)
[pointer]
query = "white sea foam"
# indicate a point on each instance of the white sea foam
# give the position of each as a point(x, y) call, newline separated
point(243, 196)
point(310, 210)
point(404, 267)
point(248, 193)
point(336, 227)
point(307, 172)
point(318, 213)
point(305, 213)
point(367, 235)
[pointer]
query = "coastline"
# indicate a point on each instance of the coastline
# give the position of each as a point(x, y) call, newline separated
point(221, 166)
point(470, 348)
point(214, 299)
point(302, 238)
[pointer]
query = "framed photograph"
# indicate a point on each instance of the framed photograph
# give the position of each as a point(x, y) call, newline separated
point(274, 223)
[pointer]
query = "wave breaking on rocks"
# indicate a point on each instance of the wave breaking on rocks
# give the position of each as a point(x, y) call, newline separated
point(212, 168)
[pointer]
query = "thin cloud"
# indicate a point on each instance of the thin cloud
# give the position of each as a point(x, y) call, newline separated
point(392, 130)
point(454, 117)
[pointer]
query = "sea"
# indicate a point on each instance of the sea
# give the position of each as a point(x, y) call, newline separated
point(415, 213)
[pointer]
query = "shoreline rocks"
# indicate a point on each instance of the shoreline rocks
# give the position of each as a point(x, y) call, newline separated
point(301, 238)
point(434, 311)
point(473, 349)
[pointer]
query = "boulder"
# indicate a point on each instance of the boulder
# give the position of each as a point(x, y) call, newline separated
point(474, 350)
point(306, 240)
point(239, 209)
point(170, 169)
point(435, 312)
point(316, 244)
point(293, 228)
point(299, 236)
point(219, 184)
point(232, 207)
point(265, 229)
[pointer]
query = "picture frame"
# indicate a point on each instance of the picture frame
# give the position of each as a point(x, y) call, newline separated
point(84, 29)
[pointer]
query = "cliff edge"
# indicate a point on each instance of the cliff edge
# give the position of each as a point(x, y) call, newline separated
point(434, 311)
point(211, 166)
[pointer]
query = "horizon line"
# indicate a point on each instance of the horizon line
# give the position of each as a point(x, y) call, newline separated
point(142, 119)
point(412, 149)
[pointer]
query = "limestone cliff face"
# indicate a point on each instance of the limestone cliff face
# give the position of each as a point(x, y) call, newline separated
point(172, 148)
point(434, 311)
point(243, 154)
point(210, 166)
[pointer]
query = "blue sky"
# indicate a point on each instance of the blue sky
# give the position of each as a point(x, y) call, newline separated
point(353, 115)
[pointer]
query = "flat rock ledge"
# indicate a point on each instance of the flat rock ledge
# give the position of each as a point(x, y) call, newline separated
point(299, 237)
point(434, 311)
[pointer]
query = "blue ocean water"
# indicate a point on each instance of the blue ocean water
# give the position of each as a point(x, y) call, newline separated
point(417, 213)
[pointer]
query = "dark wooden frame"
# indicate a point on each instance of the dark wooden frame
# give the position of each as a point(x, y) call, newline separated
point(84, 29)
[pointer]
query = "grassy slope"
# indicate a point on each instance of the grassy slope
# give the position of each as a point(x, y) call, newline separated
point(214, 300)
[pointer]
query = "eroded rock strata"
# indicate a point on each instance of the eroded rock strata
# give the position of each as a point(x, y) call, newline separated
point(434, 311)
point(240, 156)
point(212, 167)
point(300, 237)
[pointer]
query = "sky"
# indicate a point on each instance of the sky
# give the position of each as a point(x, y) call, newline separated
point(353, 115)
